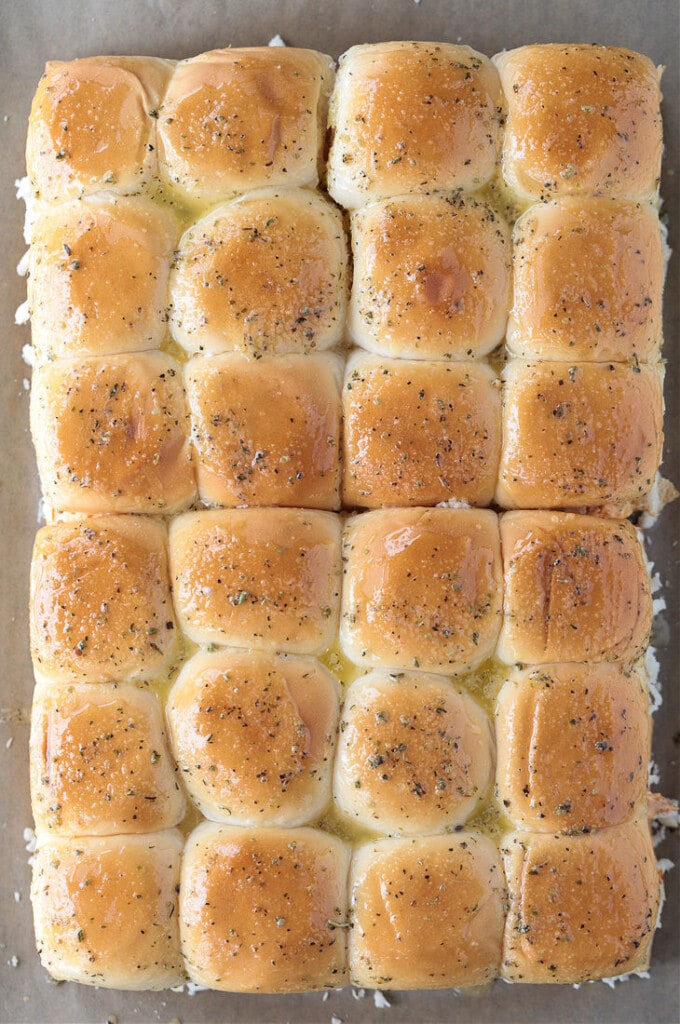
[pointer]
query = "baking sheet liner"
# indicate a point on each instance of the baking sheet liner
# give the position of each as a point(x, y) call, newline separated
point(30, 34)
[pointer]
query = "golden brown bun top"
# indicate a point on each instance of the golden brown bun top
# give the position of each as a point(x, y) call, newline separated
point(266, 433)
point(264, 910)
point(580, 435)
point(576, 589)
point(588, 281)
point(253, 734)
point(111, 434)
point(412, 116)
point(106, 910)
point(92, 125)
point(573, 746)
point(266, 579)
point(237, 119)
point(432, 277)
point(262, 274)
point(414, 756)
point(419, 432)
point(428, 912)
point(582, 120)
point(98, 277)
point(423, 588)
point(581, 907)
point(100, 600)
point(99, 762)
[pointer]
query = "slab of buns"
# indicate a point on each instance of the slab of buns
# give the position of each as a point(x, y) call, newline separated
point(346, 387)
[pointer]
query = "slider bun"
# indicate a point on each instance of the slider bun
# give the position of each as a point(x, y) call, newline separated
point(573, 746)
point(263, 274)
point(417, 433)
point(579, 435)
point(588, 278)
point(238, 119)
point(264, 909)
point(100, 608)
point(432, 277)
point(253, 735)
point(266, 579)
point(415, 755)
point(93, 125)
point(99, 762)
point(111, 434)
point(412, 116)
point(423, 589)
point(581, 907)
point(266, 432)
point(98, 277)
point(576, 589)
point(105, 910)
point(427, 912)
point(582, 120)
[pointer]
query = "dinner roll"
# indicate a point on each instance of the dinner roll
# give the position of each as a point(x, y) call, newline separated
point(431, 277)
point(99, 762)
point(573, 746)
point(105, 910)
point(237, 119)
point(582, 120)
point(93, 126)
point(579, 435)
point(264, 909)
point(588, 281)
point(111, 434)
point(98, 273)
point(582, 907)
point(253, 734)
point(428, 912)
point(418, 433)
point(266, 433)
point(411, 116)
point(267, 579)
point(576, 589)
point(263, 274)
point(100, 606)
point(414, 754)
point(423, 589)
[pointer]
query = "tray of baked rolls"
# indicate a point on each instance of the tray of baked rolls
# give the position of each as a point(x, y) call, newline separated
point(347, 608)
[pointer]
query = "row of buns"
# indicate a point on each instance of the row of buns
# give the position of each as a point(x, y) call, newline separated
point(404, 116)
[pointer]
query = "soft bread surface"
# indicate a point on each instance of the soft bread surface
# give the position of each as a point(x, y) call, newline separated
point(100, 608)
point(412, 116)
point(106, 910)
point(253, 735)
point(98, 277)
point(419, 432)
point(581, 907)
point(263, 274)
point(588, 281)
point(432, 277)
point(234, 120)
point(99, 762)
point(427, 912)
point(266, 433)
point(578, 436)
point(582, 120)
point(267, 579)
point(573, 746)
point(576, 589)
point(422, 589)
point(264, 910)
point(93, 126)
point(112, 434)
point(415, 755)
